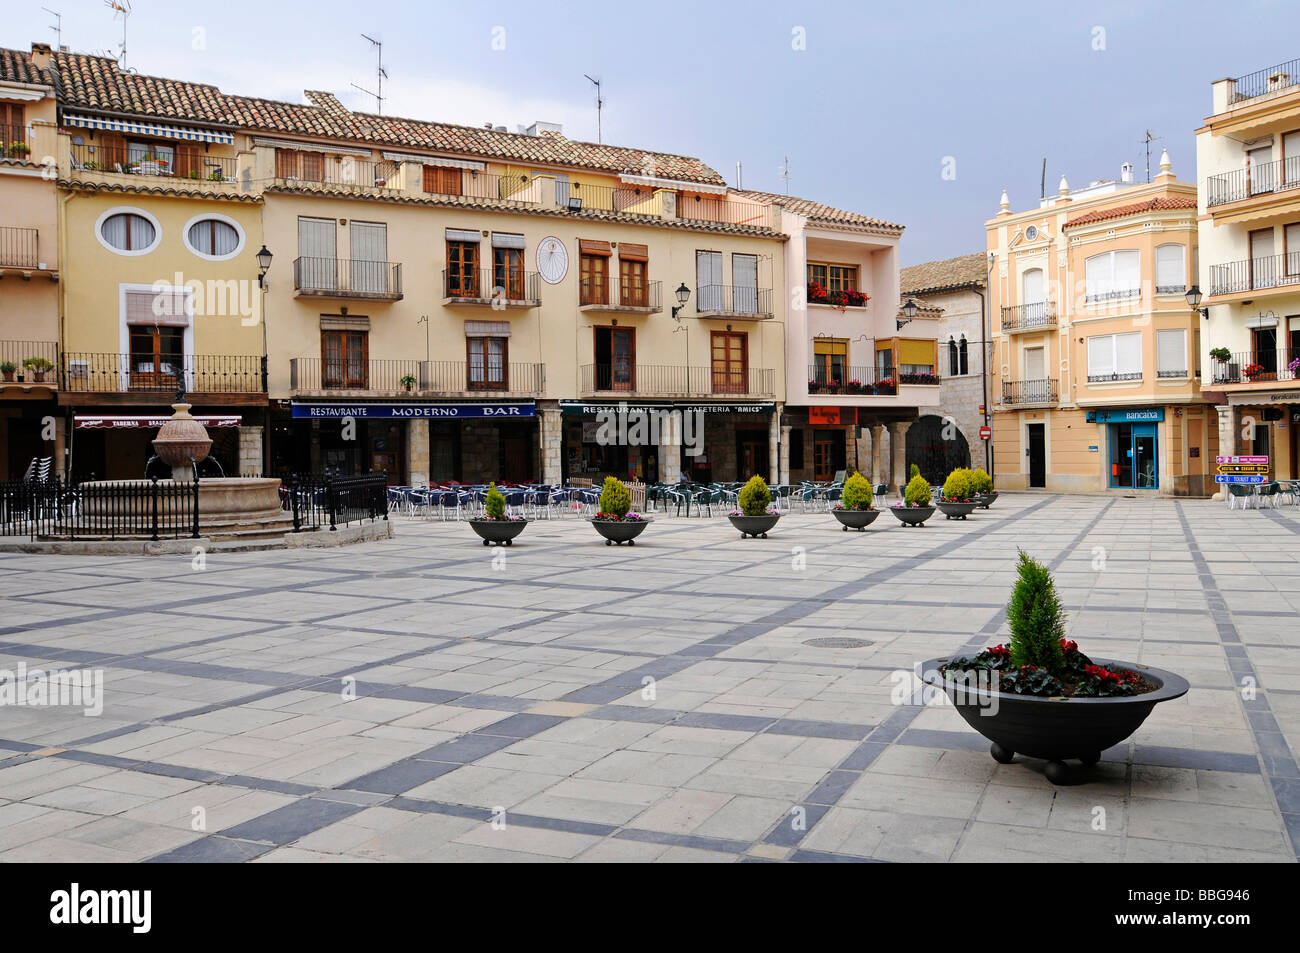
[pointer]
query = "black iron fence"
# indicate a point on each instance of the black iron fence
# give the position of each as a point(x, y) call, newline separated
point(168, 163)
point(1029, 392)
point(867, 381)
point(1020, 317)
point(348, 277)
point(38, 353)
point(318, 500)
point(53, 508)
point(1264, 81)
point(735, 300)
point(307, 374)
point(1257, 178)
point(19, 247)
point(622, 292)
point(1255, 274)
point(1262, 364)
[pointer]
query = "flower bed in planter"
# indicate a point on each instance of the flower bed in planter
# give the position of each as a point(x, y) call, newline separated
point(915, 507)
point(495, 525)
point(958, 497)
point(854, 511)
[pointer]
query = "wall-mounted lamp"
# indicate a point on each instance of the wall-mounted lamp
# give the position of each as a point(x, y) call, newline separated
point(1194, 301)
point(264, 265)
point(909, 312)
point(683, 294)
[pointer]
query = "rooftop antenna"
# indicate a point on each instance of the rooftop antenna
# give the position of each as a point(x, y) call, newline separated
point(380, 75)
point(1042, 181)
point(1148, 139)
point(123, 7)
point(599, 105)
point(785, 174)
point(57, 28)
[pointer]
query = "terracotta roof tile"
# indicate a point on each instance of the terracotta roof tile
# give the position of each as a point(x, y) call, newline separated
point(1156, 204)
point(817, 212)
point(964, 271)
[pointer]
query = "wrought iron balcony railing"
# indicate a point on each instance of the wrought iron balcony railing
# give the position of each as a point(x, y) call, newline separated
point(1026, 317)
point(1020, 393)
point(15, 142)
point(736, 301)
point(1262, 82)
point(1114, 376)
point(19, 247)
point(1265, 364)
point(347, 278)
point(596, 293)
point(171, 165)
point(674, 380)
point(163, 374)
point(861, 381)
point(424, 378)
point(1263, 178)
point(1255, 274)
point(486, 285)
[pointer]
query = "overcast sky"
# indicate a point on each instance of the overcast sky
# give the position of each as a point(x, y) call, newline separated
point(881, 101)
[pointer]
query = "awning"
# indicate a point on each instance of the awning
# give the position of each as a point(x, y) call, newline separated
point(142, 128)
point(684, 185)
point(129, 421)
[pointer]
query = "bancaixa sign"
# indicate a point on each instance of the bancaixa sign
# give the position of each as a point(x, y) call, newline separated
point(411, 411)
point(1145, 415)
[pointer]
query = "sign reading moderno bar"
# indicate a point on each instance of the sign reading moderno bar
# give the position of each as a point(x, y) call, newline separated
point(336, 411)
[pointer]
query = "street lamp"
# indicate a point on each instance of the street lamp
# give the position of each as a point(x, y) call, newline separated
point(909, 312)
point(264, 265)
point(1194, 301)
point(683, 293)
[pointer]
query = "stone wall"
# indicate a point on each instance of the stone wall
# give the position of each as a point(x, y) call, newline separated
point(250, 450)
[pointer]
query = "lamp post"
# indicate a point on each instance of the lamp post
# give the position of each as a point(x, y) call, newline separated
point(263, 266)
point(909, 312)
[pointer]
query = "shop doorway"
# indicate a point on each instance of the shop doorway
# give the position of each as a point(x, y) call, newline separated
point(752, 454)
point(1037, 455)
point(934, 455)
point(828, 454)
point(1134, 457)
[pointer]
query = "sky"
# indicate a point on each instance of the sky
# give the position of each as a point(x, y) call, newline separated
point(916, 113)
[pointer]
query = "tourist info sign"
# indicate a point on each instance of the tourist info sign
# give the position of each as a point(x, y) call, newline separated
point(1241, 478)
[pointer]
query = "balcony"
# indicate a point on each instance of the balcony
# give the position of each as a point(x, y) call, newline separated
point(39, 353)
point(491, 288)
point(1037, 316)
point(602, 198)
point(673, 380)
point(1265, 82)
point(605, 295)
point(314, 376)
point(1266, 366)
point(341, 173)
point(474, 186)
point(20, 254)
point(1263, 179)
point(743, 303)
point(207, 374)
point(1254, 275)
point(15, 143)
point(347, 278)
point(191, 170)
point(1114, 378)
point(724, 212)
point(1034, 393)
point(852, 381)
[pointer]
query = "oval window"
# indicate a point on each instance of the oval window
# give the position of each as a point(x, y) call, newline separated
point(127, 232)
point(211, 236)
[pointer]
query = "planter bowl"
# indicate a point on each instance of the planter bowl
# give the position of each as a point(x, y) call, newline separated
point(855, 519)
point(500, 532)
point(985, 500)
point(1058, 728)
point(754, 525)
point(618, 532)
point(912, 515)
point(957, 511)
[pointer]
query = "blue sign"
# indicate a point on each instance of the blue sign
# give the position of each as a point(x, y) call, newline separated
point(1241, 478)
point(337, 411)
point(1148, 415)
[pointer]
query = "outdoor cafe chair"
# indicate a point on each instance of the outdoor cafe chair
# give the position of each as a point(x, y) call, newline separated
point(1238, 493)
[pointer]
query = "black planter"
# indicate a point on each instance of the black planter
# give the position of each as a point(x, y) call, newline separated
point(620, 532)
point(912, 515)
point(754, 525)
point(985, 500)
point(856, 519)
point(500, 532)
point(956, 511)
point(1057, 728)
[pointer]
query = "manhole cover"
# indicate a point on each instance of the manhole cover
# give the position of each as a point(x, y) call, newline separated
point(838, 643)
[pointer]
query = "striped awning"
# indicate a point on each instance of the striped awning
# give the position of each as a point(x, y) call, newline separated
point(141, 128)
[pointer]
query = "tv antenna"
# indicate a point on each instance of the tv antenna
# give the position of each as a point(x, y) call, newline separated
point(123, 7)
point(600, 103)
point(1149, 138)
point(380, 75)
point(785, 174)
point(57, 28)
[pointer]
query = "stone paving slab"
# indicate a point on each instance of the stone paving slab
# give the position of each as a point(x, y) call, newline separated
point(421, 698)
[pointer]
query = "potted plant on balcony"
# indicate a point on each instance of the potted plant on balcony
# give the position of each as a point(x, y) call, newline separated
point(7, 369)
point(39, 366)
point(854, 510)
point(1039, 695)
point(497, 526)
point(1253, 370)
point(756, 515)
point(19, 150)
point(915, 507)
point(885, 387)
point(984, 492)
point(408, 382)
point(1221, 354)
point(958, 497)
point(615, 521)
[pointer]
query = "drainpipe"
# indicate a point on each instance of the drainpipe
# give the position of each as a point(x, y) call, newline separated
point(984, 370)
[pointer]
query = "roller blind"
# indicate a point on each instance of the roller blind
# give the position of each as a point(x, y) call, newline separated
point(463, 235)
point(170, 308)
point(1170, 272)
point(507, 240)
point(1033, 286)
point(1101, 355)
point(629, 252)
point(1128, 353)
point(916, 352)
point(588, 247)
point(1171, 350)
point(1127, 274)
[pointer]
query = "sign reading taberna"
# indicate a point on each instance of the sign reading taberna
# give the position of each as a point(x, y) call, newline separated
point(337, 411)
point(1145, 415)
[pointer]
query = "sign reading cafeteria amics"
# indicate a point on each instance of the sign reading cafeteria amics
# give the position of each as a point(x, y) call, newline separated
point(403, 411)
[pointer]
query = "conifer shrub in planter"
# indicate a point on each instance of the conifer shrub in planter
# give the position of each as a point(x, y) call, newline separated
point(854, 510)
point(614, 521)
point(958, 497)
point(1039, 695)
point(756, 514)
point(496, 525)
point(915, 507)
point(983, 485)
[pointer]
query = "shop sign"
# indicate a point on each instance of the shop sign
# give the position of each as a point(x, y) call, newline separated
point(1146, 415)
point(336, 411)
point(1256, 460)
point(627, 407)
point(131, 422)
point(832, 416)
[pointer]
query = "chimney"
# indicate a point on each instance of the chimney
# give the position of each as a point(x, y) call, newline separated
point(1126, 173)
point(42, 55)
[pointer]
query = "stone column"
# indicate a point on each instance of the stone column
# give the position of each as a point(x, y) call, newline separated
point(898, 451)
point(879, 471)
point(250, 450)
point(774, 446)
point(784, 472)
point(1229, 439)
point(552, 444)
point(417, 451)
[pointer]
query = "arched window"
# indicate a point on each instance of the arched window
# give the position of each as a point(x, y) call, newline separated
point(952, 357)
point(964, 360)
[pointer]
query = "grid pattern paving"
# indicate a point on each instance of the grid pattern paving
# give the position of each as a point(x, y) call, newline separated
point(426, 698)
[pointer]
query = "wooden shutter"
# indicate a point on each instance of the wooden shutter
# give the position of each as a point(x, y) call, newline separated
point(286, 164)
point(313, 166)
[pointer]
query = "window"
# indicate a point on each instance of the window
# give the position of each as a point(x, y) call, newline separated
point(1264, 347)
point(615, 358)
point(508, 272)
point(157, 356)
point(1171, 272)
point(708, 279)
point(1263, 266)
point(13, 124)
point(593, 272)
point(488, 363)
point(744, 284)
point(1291, 243)
point(1113, 274)
point(344, 359)
point(317, 267)
point(462, 268)
point(1171, 353)
point(441, 180)
point(963, 357)
point(633, 275)
point(730, 362)
point(368, 242)
point(213, 238)
point(953, 360)
point(833, 277)
point(830, 361)
point(128, 232)
point(1115, 357)
point(300, 164)
point(1031, 284)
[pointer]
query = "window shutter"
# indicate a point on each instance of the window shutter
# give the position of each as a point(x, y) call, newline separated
point(1127, 276)
point(171, 310)
point(1101, 355)
point(1169, 267)
point(629, 252)
point(1097, 276)
point(1171, 350)
point(313, 165)
point(588, 247)
point(286, 164)
point(1128, 353)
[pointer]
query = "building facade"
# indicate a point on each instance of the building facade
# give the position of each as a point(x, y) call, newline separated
point(1248, 166)
point(950, 436)
point(1096, 352)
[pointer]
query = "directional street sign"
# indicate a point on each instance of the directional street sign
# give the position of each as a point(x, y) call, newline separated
point(1242, 468)
point(1241, 478)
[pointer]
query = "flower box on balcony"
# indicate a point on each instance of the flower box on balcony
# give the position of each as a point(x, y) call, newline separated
point(1252, 371)
point(846, 298)
point(919, 378)
point(886, 387)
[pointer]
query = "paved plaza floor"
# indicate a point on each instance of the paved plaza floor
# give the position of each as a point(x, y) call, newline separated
point(426, 698)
